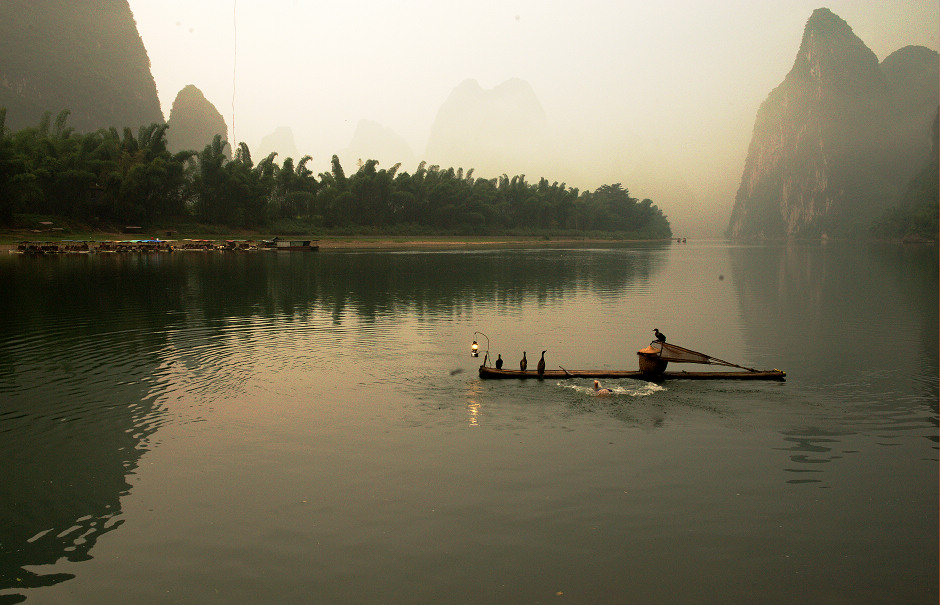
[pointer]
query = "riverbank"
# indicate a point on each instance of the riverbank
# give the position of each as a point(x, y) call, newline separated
point(458, 242)
point(9, 242)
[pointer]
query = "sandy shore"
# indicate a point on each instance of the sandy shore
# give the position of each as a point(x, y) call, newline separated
point(419, 242)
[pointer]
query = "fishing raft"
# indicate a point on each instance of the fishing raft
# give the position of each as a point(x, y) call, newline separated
point(653, 361)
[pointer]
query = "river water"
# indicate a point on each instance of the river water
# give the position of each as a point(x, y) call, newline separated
point(310, 427)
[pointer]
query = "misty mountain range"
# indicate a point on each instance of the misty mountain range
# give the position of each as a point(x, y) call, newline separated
point(833, 145)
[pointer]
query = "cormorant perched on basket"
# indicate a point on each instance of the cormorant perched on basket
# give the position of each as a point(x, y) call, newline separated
point(659, 335)
point(523, 364)
point(541, 365)
point(499, 361)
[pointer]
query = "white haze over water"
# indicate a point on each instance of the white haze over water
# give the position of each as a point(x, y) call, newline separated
point(675, 84)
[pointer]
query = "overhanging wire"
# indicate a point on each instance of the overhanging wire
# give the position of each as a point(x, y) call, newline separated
point(234, 63)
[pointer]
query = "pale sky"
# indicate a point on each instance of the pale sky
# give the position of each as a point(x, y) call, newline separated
point(684, 76)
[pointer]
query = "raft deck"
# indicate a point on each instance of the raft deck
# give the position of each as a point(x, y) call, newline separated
point(486, 372)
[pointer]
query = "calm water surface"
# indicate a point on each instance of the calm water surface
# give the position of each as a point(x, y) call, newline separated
point(297, 427)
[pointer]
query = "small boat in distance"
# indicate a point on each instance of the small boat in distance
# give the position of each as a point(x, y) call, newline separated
point(653, 361)
point(289, 244)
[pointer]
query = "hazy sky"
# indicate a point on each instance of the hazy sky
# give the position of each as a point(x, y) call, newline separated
point(685, 76)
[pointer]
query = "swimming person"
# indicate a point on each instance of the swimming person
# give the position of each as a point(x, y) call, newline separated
point(599, 392)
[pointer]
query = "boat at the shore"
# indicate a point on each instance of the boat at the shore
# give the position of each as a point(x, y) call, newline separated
point(290, 244)
point(236, 245)
point(653, 361)
point(197, 245)
point(61, 247)
point(37, 248)
point(159, 245)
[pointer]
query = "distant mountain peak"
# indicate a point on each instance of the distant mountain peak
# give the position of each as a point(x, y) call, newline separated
point(469, 85)
point(279, 141)
point(373, 141)
point(492, 130)
point(190, 94)
point(825, 18)
point(194, 121)
point(833, 56)
point(838, 139)
point(515, 85)
point(911, 63)
point(511, 104)
point(824, 24)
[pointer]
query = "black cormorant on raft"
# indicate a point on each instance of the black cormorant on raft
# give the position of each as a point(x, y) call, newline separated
point(653, 361)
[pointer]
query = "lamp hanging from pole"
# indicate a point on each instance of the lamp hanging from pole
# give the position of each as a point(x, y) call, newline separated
point(475, 347)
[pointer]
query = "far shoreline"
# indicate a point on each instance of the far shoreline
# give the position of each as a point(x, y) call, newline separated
point(9, 241)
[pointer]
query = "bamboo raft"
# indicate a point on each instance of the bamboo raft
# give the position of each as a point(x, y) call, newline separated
point(486, 372)
point(652, 361)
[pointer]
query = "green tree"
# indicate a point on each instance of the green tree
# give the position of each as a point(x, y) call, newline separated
point(11, 168)
point(210, 182)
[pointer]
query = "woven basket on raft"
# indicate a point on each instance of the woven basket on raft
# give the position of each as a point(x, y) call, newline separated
point(651, 364)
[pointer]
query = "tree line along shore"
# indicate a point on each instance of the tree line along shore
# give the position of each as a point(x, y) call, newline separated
point(116, 242)
point(111, 179)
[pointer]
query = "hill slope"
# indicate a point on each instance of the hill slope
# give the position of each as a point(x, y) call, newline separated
point(86, 57)
point(836, 143)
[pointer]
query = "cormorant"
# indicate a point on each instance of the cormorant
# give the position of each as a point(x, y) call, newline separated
point(499, 361)
point(541, 365)
point(659, 335)
point(523, 364)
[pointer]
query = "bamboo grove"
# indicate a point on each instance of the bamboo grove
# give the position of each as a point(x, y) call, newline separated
point(121, 178)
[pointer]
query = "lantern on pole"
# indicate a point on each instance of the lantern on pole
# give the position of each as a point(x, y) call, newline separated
point(475, 347)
